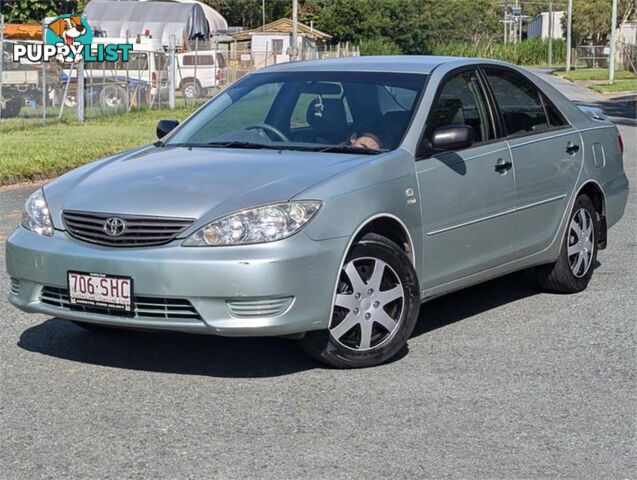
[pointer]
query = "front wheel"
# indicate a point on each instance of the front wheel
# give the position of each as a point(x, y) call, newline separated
point(574, 267)
point(375, 309)
point(11, 107)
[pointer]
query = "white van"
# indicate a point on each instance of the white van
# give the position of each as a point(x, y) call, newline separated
point(194, 82)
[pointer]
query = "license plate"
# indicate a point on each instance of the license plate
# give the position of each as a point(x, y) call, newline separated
point(99, 290)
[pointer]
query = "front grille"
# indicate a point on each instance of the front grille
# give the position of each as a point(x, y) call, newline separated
point(139, 231)
point(15, 286)
point(266, 307)
point(145, 307)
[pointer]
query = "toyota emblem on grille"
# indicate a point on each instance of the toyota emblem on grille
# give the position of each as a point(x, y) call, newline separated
point(114, 227)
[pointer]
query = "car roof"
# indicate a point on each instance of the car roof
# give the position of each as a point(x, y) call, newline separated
point(389, 63)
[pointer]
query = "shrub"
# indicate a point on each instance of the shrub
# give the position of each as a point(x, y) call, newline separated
point(379, 46)
point(529, 52)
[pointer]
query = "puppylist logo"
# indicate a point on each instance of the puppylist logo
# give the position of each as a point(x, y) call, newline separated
point(70, 37)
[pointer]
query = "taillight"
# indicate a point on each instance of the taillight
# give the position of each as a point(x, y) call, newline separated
point(218, 75)
point(153, 79)
point(621, 144)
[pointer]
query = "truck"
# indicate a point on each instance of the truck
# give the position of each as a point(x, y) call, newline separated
point(142, 80)
point(22, 81)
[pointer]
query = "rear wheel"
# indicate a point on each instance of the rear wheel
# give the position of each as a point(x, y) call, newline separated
point(375, 309)
point(113, 97)
point(191, 89)
point(574, 268)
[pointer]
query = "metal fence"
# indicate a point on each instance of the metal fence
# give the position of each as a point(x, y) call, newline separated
point(151, 78)
point(597, 56)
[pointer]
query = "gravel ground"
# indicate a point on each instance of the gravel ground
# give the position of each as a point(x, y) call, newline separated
point(500, 381)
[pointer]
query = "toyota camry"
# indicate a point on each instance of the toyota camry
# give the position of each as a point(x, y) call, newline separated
point(325, 201)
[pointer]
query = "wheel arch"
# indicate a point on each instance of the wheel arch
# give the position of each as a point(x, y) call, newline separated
point(191, 80)
point(390, 227)
point(594, 190)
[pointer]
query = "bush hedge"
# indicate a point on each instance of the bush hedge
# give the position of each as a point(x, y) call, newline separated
point(528, 52)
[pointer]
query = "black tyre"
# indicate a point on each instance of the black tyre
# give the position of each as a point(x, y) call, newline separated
point(375, 309)
point(11, 107)
point(113, 97)
point(191, 89)
point(574, 267)
point(69, 100)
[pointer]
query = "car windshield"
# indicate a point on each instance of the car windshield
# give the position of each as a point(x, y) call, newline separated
point(357, 112)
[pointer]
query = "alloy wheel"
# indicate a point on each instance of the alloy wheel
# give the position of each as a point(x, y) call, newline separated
point(369, 304)
point(580, 242)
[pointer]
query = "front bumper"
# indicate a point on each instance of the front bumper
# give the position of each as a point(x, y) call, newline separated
point(214, 280)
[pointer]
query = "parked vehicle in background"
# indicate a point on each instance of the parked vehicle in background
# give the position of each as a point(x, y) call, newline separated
point(143, 80)
point(198, 71)
point(326, 200)
point(22, 81)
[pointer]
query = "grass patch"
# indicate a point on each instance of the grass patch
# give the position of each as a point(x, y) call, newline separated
point(596, 74)
point(29, 152)
point(618, 86)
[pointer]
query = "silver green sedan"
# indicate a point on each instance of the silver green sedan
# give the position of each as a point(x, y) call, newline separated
point(325, 201)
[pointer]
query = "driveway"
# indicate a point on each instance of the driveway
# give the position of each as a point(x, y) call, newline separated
point(500, 381)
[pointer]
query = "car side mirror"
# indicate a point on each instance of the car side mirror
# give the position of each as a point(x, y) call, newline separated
point(452, 137)
point(165, 126)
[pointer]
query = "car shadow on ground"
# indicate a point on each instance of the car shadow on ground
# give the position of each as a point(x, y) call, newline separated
point(452, 308)
point(214, 356)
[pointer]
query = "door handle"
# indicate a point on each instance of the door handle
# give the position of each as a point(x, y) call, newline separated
point(503, 166)
point(571, 148)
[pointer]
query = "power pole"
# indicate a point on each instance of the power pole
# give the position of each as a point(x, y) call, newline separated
point(569, 33)
point(611, 60)
point(550, 33)
point(517, 4)
point(504, 21)
point(263, 13)
point(295, 22)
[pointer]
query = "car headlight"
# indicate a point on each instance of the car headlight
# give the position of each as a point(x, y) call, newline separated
point(36, 216)
point(256, 225)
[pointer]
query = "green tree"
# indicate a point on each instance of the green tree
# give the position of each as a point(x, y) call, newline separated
point(379, 46)
point(469, 21)
point(354, 20)
point(592, 19)
point(34, 11)
point(248, 13)
point(412, 25)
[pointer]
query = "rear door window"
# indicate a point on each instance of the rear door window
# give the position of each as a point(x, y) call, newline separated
point(519, 101)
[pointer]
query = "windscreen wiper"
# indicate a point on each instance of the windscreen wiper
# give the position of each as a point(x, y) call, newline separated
point(351, 149)
point(239, 144)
